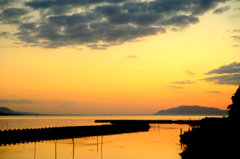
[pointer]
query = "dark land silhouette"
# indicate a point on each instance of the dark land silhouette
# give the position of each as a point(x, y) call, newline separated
point(192, 110)
point(7, 111)
point(214, 137)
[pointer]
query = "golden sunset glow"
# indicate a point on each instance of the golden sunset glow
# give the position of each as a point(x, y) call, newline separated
point(138, 76)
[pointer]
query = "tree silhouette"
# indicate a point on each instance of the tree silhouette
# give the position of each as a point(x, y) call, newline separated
point(234, 109)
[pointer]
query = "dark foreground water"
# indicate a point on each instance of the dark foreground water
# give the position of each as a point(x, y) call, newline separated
point(161, 141)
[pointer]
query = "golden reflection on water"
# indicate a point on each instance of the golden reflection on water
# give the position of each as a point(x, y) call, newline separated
point(161, 141)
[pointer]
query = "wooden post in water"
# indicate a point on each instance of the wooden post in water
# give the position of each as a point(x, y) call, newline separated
point(73, 147)
point(55, 150)
point(97, 144)
point(34, 156)
point(101, 148)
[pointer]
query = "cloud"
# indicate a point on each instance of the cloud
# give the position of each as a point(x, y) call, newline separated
point(226, 74)
point(6, 3)
point(215, 92)
point(176, 87)
point(231, 79)
point(63, 3)
point(236, 38)
point(12, 15)
point(132, 57)
point(235, 45)
point(4, 34)
point(230, 68)
point(99, 24)
point(236, 30)
point(221, 10)
point(190, 73)
point(183, 82)
point(19, 101)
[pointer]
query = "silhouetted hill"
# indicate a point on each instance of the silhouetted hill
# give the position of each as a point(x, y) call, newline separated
point(7, 111)
point(192, 110)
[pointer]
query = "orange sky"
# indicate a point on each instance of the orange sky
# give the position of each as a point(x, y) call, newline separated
point(140, 73)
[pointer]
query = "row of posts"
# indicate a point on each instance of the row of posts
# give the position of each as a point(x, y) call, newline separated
point(73, 150)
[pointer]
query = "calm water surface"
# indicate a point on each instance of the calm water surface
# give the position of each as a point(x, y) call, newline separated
point(21, 122)
point(161, 141)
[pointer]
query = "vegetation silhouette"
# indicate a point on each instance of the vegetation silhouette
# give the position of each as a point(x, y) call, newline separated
point(234, 108)
point(214, 137)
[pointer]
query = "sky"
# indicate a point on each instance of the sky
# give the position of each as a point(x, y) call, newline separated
point(118, 56)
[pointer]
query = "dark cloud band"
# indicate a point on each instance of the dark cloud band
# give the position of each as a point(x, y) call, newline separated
point(230, 68)
point(231, 79)
point(20, 101)
point(227, 74)
point(57, 23)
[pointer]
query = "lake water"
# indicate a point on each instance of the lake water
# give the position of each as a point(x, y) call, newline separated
point(161, 141)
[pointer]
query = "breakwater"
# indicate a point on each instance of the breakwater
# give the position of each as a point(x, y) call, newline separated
point(54, 133)
point(189, 122)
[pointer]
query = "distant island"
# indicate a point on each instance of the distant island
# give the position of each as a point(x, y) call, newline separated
point(180, 110)
point(4, 111)
point(192, 110)
point(7, 111)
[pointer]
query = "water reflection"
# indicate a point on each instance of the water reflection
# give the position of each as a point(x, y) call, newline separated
point(162, 141)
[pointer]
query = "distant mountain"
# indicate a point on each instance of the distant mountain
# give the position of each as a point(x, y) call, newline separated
point(7, 111)
point(192, 110)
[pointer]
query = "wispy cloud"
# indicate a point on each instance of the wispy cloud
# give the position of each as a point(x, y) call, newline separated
point(235, 45)
point(132, 57)
point(235, 36)
point(214, 92)
point(4, 34)
point(183, 82)
point(98, 24)
point(18, 101)
point(221, 10)
point(176, 87)
point(190, 73)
